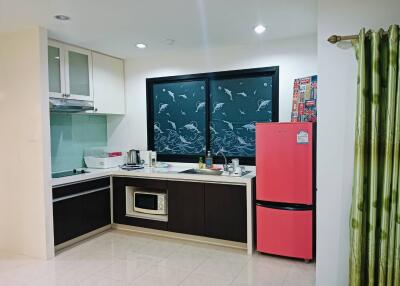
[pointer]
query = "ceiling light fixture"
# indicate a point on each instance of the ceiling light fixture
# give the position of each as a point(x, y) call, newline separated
point(62, 17)
point(169, 42)
point(259, 29)
point(141, 46)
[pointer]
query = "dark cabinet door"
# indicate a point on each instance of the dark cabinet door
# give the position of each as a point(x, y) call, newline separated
point(96, 210)
point(80, 208)
point(67, 217)
point(119, 199)
point(225, 212)
point(186, 207)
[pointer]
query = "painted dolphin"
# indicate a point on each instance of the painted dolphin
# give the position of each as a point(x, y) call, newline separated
point(200, 105)
point(162, 107)
point(263, 104)
point(172, 95)
point(228, 92)
point(218, 106)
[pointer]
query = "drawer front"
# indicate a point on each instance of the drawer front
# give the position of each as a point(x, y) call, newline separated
point(79, 187)
point(142, 183)
point(285, 232)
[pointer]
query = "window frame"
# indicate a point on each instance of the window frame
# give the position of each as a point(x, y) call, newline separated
point(207, 77)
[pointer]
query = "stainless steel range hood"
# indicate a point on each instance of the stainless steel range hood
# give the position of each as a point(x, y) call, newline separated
point(70, 105)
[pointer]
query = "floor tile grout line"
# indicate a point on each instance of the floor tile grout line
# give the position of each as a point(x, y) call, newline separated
point(240, 271)
point(193, 271)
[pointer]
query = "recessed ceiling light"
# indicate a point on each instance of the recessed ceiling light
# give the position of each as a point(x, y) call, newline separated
point(141, 46)
point(169, 42)
point(259, 29)
point(62, 17)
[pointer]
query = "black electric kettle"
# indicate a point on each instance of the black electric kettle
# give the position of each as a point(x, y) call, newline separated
point(133, 157)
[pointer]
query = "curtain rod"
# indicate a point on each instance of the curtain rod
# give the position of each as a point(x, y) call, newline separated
point(335, 38)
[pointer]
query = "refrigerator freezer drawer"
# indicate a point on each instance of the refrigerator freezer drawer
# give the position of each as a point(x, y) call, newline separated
point(285, 232)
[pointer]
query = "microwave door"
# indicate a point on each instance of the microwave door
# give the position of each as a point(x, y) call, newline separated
point(146, 201)
point(149, 203)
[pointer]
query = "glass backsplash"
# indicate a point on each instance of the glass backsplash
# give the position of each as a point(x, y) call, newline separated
point(71, 134)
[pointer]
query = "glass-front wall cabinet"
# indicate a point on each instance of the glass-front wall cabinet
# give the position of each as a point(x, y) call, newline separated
point(70, 72)
point(56, 70)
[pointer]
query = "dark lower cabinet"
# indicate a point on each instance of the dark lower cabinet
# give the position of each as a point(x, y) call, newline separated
point(96, 210)
point(186, 207)
point(213, 210)
point(77, 211)
point(225, 212)
point(67, 217)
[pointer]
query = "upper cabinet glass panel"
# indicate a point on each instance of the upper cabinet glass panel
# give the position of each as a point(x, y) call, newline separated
point(70, 72)
point(54, 69)
point(180, 118)
point(79, 74)
point(235, 107)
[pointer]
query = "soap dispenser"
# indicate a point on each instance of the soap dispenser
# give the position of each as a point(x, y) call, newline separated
point(209, 160)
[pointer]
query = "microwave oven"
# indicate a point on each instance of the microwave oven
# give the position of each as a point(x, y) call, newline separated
point(150, 203)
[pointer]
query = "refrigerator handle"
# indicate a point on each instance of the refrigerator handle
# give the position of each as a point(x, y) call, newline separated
point(286, 207)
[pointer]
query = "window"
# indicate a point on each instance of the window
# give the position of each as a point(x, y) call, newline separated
point(191, 114)
point(179, 118)
point(236, 106)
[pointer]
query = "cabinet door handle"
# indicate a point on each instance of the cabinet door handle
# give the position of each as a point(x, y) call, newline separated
point(80, 194)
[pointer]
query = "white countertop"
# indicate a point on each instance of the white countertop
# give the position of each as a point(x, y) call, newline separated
point(170, 173)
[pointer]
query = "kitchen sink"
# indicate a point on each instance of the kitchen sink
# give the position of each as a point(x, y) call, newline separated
point(209, 172)
point(203, 172)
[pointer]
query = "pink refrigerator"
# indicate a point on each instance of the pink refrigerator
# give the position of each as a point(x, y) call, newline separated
point(285, 189)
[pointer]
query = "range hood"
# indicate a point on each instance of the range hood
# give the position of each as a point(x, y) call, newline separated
point(70, 105)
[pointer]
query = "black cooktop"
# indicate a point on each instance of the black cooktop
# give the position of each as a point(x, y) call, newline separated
point(68, 173)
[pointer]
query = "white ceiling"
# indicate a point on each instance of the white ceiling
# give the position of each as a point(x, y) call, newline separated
point(115, 26)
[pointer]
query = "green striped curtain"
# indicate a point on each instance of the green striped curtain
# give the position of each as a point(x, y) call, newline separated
point(375, 210)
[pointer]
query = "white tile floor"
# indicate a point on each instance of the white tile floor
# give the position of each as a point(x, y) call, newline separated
point(124, 258)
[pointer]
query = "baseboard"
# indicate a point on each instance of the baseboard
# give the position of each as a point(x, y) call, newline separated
point(181, 236)
point(80, 238)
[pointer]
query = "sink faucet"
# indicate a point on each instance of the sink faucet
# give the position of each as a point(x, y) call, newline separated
point(226, 169)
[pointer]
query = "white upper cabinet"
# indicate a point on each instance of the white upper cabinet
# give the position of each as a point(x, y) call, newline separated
point(78, 73)
point(108, 84)
point(70, 72)
point(56, 70)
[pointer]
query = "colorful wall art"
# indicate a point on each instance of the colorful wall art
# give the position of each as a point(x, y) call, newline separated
point(305, 99)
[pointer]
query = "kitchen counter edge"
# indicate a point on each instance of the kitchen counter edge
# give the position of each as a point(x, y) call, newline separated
point(153, 173)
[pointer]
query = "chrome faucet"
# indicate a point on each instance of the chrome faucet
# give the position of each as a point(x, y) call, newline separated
point(226, 168)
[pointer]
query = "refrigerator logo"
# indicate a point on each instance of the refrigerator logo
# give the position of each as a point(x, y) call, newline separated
point(302, 137)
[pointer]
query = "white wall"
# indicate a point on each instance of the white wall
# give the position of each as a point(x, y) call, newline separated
point(25, 189)
point(295, 57)
point(336, 113)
